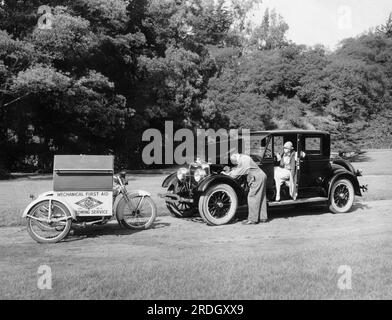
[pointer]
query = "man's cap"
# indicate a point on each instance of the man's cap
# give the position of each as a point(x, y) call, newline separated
point(234, 157)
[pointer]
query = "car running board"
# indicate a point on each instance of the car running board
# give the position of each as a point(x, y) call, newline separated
point(298, 201)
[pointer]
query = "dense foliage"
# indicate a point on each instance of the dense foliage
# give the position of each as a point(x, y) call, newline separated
point(108, 69)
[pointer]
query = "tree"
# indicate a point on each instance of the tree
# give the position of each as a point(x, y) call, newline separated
point(15, 56)
point(57, 103)
point(108, 70)
point(105, 16)
point(67, 43)
point(386, 29)
point(271, 34)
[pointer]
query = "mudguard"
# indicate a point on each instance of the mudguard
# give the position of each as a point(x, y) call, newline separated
point(220, 178)
point(345, 164)
point(46, 196)
point(169, 180)
point(119, 215)
point(344, 174)
point(139, 193)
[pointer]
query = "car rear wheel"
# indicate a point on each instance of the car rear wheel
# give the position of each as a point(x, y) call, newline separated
point(342, 196)
point(218, 205)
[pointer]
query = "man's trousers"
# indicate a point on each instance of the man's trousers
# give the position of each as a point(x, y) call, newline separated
point(257, 197)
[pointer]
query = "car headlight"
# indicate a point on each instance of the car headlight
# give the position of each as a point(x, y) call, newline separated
point(199, 174)
point(181, 173)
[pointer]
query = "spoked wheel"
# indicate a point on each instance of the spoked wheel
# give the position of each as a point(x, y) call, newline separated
point(137, 213)
point(218, 205)
point(45, 230)
point(180, 209)
point(342, 196)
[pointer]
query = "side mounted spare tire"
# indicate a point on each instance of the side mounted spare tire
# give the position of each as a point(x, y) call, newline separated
point(218, 205)
point(341, 197)
point(180, 210)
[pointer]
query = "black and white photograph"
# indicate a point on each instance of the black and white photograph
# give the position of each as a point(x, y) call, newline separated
point(195, 155)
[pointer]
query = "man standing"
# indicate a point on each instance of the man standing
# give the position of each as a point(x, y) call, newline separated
point(257, 179)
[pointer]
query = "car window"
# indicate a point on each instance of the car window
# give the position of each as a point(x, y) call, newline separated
point(313, 145)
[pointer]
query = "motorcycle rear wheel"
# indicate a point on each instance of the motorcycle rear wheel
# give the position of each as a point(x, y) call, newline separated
point(48, 232)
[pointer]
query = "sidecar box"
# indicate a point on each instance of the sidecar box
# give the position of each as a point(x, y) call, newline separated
point(85, 183)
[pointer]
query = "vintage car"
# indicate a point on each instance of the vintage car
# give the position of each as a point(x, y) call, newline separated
point(202, 187)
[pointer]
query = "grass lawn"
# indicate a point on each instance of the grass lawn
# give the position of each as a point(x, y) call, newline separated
point(295, 256)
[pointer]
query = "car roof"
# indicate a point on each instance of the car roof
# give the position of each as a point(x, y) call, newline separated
point(277, 132)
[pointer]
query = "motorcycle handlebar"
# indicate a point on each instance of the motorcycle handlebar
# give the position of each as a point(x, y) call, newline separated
point(121, 179)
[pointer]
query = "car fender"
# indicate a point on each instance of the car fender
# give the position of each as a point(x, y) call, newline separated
point(337, 168)
point(212, 180)
point(345, 164)
point(344, 174)
point(169, 180)
point(133, 193)
point(47, 196)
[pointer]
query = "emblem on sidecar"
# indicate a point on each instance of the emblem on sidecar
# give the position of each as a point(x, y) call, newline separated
point(88, 203)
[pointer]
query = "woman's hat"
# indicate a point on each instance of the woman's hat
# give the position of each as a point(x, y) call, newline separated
point(288, 145)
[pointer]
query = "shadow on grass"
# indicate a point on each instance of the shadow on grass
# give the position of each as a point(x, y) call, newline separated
point(195, 218)
point(274, 213)
point(361, 157)
point(79, 233)
point(309, 210)
point(32, 177)
point(300, 210)
point(286, 212)
point(360, 206)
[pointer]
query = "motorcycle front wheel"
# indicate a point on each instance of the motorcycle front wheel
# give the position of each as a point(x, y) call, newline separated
point(137, 212)
point(44, 230)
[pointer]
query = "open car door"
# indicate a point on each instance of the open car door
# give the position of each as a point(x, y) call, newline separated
point(294, 194)
point(297, 172)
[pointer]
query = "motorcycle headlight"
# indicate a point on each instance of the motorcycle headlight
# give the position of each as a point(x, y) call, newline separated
point(181, 173)
point(199, 174)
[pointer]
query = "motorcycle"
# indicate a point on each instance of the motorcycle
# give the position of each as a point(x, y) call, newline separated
point(51, 215)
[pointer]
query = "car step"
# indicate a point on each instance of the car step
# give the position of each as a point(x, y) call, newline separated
point(298, 201)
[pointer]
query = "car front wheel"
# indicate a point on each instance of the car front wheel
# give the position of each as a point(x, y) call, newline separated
point(342, 196)
point(218, 205)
